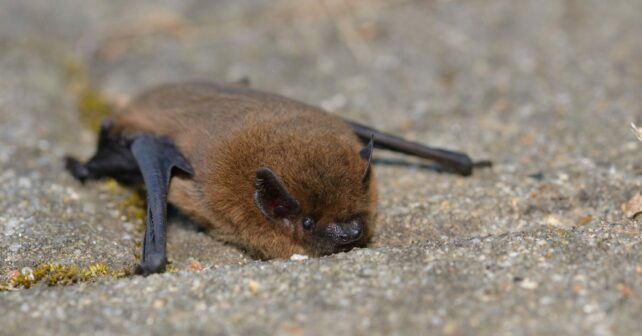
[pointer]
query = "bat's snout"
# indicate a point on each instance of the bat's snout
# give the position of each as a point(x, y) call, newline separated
point(346, 233)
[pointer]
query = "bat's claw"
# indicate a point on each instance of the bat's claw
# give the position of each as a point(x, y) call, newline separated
point(151, 266)
point(483, 164)
point(78, 170)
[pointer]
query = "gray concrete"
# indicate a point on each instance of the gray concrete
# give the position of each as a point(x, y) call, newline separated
point(537, 245)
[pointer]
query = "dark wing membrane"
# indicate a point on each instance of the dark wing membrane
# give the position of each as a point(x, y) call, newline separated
point(127, 160)
point(457, 162)
point(113, 158)
point(156, 157)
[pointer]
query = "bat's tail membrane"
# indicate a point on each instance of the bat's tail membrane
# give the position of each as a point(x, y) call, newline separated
point(458, 162)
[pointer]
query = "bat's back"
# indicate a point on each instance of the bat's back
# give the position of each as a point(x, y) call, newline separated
point(199, 115)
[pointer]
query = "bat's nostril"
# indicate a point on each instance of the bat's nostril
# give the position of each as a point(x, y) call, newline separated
point(355, 232)
point(351, 232)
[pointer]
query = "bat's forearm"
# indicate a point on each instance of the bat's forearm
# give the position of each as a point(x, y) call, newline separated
point(458, 162)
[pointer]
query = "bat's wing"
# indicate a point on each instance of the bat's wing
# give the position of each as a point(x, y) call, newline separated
point(113, 158)
point(458, 162)
point(127, 160)
point(156, 157)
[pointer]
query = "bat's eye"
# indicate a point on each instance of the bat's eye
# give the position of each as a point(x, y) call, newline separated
point(308, 222)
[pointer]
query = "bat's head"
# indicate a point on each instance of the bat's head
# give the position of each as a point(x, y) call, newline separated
point(327, 206)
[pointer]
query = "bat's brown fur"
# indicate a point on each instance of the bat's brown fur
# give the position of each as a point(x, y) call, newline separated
point(227, 133)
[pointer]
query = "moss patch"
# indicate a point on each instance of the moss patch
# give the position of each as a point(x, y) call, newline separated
point(134, 208)
point(60, 275)
point(92, 108)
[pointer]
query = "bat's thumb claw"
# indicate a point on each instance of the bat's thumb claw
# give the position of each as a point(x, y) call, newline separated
point(76, 169)
point(151, 266)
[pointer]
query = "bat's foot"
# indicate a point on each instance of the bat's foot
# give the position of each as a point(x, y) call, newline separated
point(483, 164)
point(77, 169)
point(151, 266)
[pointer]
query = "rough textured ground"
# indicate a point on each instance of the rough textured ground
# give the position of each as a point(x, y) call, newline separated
point(537, 245)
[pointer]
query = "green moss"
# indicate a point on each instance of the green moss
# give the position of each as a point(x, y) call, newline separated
point(92, 108)
point(40, 271)
point(93, 271)
point(134, 208)
point(169, 268)
point(120, 274)
point(112, 186)
point(61, 275)
point(21, 280)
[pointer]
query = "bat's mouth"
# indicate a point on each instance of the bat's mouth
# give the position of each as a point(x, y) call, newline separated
point(345, 247)
point(337, 247)
point(331, 247)
point(339, 237)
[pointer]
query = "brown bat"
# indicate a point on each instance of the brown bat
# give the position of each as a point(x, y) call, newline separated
point(267, 173)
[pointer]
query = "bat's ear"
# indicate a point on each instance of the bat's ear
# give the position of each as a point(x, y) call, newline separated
point(366, 154)
point(271, 197)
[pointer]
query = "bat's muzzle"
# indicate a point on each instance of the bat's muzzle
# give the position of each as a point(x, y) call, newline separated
point(345, 233)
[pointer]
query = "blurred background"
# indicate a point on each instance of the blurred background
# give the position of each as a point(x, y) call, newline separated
point(447, 66)
point(546, 89)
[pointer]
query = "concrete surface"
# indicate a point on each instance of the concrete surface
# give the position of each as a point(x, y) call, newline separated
point(536, 245)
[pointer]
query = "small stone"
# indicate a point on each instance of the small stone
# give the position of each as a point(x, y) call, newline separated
point(10, 226)
point(158, 304)
point(253, 286)
point(298, 257)
point(633, 207)
point(557, 221)
point(584, 220)
point(14, 247)
point(528, 284)
point(194, 266)
point(13, 274)
point(28, 272)
point(89, 208)
point(624, 290)
point(24, 182)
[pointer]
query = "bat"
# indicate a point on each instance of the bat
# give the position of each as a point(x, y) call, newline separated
point(269, 174)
